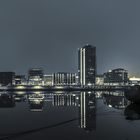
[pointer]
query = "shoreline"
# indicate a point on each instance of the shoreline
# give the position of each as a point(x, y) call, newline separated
point(62, 88)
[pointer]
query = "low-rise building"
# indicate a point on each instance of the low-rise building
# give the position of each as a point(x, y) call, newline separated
point(6, 78)
point(99, 79)
point(64, 79)
point(48, 80)
point(116, 77)
point(35, 76)
point(134, 81)
point(19, 80)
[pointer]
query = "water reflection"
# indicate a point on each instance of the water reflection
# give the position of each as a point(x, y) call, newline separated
point(20, 97)
point(66, 99)
point(132, 112)
point(36, 102)
point(115, 99)
point(87, 111)
point(77, 112)
point(6, 100)
point(86, 103)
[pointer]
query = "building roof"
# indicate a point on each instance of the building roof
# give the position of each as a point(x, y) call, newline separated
point(89, 46)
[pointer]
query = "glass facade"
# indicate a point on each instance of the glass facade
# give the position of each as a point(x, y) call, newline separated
point(63, 78)
point(35, 76)
point(116, 76)
point(87, 65)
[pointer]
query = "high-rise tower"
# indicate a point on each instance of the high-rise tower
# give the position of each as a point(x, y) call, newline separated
point(87, 65)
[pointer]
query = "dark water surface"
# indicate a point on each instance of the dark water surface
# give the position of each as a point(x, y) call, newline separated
point(73, 115)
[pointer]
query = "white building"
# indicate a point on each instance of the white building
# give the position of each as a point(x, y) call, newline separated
point(134, 81)
point(99, 80)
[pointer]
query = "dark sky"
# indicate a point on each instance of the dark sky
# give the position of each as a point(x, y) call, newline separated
point(47, 33)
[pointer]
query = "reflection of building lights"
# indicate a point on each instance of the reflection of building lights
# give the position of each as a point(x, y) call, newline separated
point(59, 87)
point(20, 92)
point(37, 92)
point(35, 97)
point(37, 87)
point(36, 101)
point(109, 105)
point(20, 87)
point(77, 98)
point(89, 84)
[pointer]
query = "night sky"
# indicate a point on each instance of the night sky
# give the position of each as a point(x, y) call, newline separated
point(48, 33)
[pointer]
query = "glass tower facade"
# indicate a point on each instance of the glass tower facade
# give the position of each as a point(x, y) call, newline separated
point(87, 65)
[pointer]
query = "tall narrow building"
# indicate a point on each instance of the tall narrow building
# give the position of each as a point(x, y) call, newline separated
point(87, 65)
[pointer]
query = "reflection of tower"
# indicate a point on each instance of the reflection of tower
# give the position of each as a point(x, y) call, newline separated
point(64, 100)
point(87, 111)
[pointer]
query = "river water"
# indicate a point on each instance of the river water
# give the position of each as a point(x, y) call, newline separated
point(68, 115)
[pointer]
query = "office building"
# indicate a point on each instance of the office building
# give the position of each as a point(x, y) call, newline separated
point(6, 78)
point(48, 80)
point(20, 80)
point(99, 80)
point(134, 81)
point(64, 79)
point(87, 65)
point(116, 77)
point(35, 76)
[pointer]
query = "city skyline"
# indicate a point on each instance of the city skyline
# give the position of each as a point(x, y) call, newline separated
point(48, 33)
point(80, 54)
point(69, 69)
